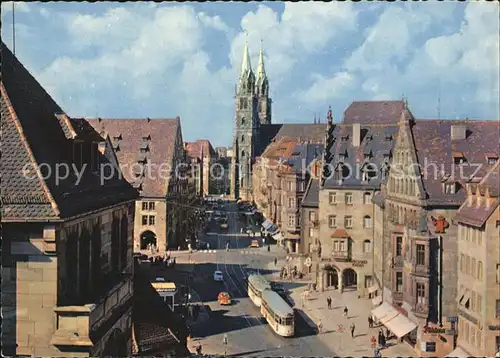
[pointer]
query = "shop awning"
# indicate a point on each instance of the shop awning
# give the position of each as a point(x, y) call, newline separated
point(400, 325)
point(459, 353)
point(267, 224)
point(373, 288)
point(277, 236)
point(377, 300)
point(383, 310)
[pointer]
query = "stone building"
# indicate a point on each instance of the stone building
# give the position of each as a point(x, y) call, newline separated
point(309, 214)
point(66, 229)
point(253, 128)
point(356, 160)
point(478, 264)
point(415, 244)
point(202, 156)
point(152, 158)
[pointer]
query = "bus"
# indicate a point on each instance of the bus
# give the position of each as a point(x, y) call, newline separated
point(257, 284)
point(278, 313)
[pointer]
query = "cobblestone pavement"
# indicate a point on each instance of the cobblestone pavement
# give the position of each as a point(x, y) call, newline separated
point(336, 327)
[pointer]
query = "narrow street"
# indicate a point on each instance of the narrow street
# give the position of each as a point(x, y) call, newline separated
point(247, 332)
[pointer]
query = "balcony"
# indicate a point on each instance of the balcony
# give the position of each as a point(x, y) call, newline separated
point(83, 326)
point(341, 255)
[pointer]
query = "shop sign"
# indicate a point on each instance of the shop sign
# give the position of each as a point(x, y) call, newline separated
point(359, 263)
point(434, 330)
point(494, 328)
point(467, 316)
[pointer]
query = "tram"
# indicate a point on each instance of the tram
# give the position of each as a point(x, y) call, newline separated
point(278, 313)
point(256, 285)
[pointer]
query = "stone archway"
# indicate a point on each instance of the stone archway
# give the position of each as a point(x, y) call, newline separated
point(349, 278)
point(116, 345)
point(146, 238)
point(331, 276)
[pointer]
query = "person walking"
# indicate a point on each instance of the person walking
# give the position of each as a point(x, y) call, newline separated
point(353, 327)
point(370, 322)
point(346, 310)
point(373, 342)
point(329, 302)
point(275, 261)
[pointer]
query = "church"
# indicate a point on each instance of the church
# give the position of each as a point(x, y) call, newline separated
point(254, 129)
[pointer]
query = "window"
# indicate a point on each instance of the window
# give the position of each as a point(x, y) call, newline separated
point(312, 216)
point(399, 282)
point(492, 160)
point(348, 199)
point(144, 205)
point(151, 220)
point(497, 225)
point(291, 220)
point(343, 245)
point(302, 186)
point(449, 188)
point(399, 245)
point(242, 139)
point(348, 222)
point(144, 220)
point(420, 254)
point(243, 120)
point(479, 303)
point(311, 232)
point(367, 222)
point(420, 293)
point(497, 308)
point(336, 245)
point(151, 205)
point(367, 246)
point(473, 268)
point(289, 185)
point(430, 346)
point(332, 198)
point(467, 265)
point(462, 263)
point(479, 338)
point(291, 203)
point(332, 221)
point(367, 198)
point(498, 273)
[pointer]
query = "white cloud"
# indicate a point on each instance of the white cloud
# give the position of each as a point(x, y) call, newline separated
point(20, 6)
point(327, 88)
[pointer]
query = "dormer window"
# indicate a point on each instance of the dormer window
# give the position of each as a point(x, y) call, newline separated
point(243, 120)
point(450, 188)
point(387, 157)
point(118, 137)
point(368, 154)
point(345, 137)
point(458, 158)
point(491, 158)
point(388, 136)
point(144, 147)
point(147, 138)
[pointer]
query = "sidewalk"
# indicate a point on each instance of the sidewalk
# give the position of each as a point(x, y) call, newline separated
point(336, 328)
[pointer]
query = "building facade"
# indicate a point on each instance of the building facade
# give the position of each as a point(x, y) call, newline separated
point(152, 158)
point(478, 269)
point(66, 239)
point(416, 244)
point(202, 157)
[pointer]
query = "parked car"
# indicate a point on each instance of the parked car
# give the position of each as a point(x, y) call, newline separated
point(255, 243)
point(218, 276)
point(224, 298)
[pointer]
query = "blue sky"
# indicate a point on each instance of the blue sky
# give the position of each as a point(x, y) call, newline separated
point(182, 59)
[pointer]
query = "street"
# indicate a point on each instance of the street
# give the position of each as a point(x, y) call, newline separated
point(247, 332)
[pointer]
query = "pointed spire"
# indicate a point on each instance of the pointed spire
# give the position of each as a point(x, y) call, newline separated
point(245, 64)
point(329, 115)
point(261, 71)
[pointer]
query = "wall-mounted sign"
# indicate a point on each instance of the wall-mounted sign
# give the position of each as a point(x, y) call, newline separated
point(359, 263)
point(494, 328)
point(434, 330)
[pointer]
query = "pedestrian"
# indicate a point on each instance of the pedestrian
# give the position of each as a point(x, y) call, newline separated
point(370, 322)
point(373, 342)
point(329, 302)
point(377, 354)
point(268, 248)
point(275, 261)
point(353, 327)
point(345, 311)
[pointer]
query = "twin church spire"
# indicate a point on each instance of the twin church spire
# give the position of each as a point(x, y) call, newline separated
point(247, 80)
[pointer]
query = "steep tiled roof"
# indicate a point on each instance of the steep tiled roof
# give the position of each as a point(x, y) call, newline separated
point(266, 135)
point(199, 148)
point(311, 196)
point(474, 214)
point(156, 327)
point(303, 132)
point(280, 150)
point(434, 144)
point(36, 131)
point(303, 155)
point(374, 112)
point(376, 141)
point(138, 139)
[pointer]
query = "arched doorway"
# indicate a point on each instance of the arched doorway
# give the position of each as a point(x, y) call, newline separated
point(349, 278)
point(331, 277)
point(116, 346)
point(148, 237)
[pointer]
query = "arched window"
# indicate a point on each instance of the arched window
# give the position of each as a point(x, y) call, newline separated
point(367, 222)
point(242, 139)
point(242, 120)
point(367, 246)
point(243, 154)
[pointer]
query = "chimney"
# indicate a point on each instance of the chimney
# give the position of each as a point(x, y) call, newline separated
point(458, 131)
point(356, 134)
